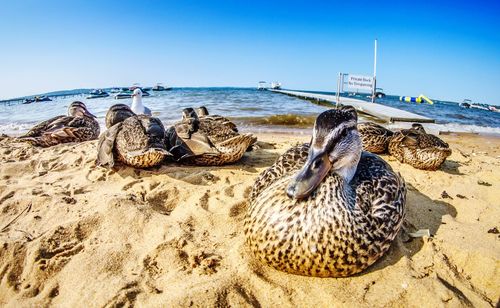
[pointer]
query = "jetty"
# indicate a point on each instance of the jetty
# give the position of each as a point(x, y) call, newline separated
point(382, 112)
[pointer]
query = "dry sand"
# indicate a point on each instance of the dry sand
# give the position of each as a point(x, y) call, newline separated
point(75, 235)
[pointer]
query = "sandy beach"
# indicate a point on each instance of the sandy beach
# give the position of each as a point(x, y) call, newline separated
point(76, 235)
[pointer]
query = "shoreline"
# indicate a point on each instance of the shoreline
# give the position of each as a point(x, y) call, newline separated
point(83, 235)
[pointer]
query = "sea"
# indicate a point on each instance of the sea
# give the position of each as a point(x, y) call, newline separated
point(252, 110)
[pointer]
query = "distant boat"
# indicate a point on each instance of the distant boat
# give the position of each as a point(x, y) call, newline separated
point(494, 109)
point(138, 86)
point(97, 94)
point(160, 87)
point(466, 103)
point(123, 94)
point(262, 85)
point(37, 99)
point(128, 93)
point(379, 93)
point(275, 85)
point(479, 106)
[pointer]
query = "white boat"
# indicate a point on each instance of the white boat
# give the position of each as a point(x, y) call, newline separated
point(262, 85)
point(97, 94)
point(275, 85)
point(466, 103)
point(160, 87)
point(479, 106)
point(123, 94)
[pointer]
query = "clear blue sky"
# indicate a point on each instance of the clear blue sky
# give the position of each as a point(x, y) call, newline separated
point(444, 49)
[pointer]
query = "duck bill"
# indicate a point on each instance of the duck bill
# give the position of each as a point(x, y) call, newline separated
point(310, 176)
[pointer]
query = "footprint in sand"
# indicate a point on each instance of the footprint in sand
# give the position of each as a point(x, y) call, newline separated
point(54, 250)
point(163, 201)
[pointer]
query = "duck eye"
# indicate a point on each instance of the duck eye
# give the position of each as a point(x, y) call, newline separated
point(316, 164)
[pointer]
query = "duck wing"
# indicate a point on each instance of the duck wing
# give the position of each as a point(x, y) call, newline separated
point(375, 138)
point(106, 146)
point(139, 134)
point(44, 126)
point(428, 140)
point(183, 144)
point(66, 129)
point(380, 192)
point(290, 161)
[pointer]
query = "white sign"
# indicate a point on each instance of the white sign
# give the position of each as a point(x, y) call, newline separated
point(360, 82)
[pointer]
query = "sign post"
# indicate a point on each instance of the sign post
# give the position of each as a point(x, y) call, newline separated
point(338, 90)
point(374, 72)
point(359, 82)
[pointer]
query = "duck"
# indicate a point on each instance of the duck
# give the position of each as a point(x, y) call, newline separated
point(191, 145)
point(137, 106)
point(374, 137)
point(136, 140)
point(117, 113)
point(419, 149)
point(216, 127)
point(325, 208)
point(78, 126)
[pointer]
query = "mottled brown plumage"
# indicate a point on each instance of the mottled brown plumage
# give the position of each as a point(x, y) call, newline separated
point(216, 127)
point(118, 113)
point(192, 145)
point(375, 138)
point(138, 141)
point(79, 125)
point(325, 209)
point(417, 148)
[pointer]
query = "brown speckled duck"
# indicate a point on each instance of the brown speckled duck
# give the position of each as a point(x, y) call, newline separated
point(375, 138)
point(327, 208)
point(79, 125)
point(216, 127)
point(138, 140)
point(419, 149)
point(191, 145)
point(118, 113)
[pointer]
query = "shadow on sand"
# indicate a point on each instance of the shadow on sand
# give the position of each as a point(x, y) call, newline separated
point(422, 212)
point(250, 162)
point(451, 167)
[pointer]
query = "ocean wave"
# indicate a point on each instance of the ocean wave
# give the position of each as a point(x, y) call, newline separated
point(14, 129)
point(291, 120)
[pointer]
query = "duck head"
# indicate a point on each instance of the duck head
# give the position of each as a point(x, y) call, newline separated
point(335, 146)
point(78, 109)
point(190, 118)
point(202, 111)
point(418, 127)
point(188, 113)
point(118, 113)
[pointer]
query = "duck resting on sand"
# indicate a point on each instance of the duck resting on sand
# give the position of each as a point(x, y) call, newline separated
point(216, 127)
point(137, 106)
point(375, 138)
point(118, 113)
point(326, 208)
point(79, 125)
point(191, 145)
point(419, 149)
point(138, 141)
